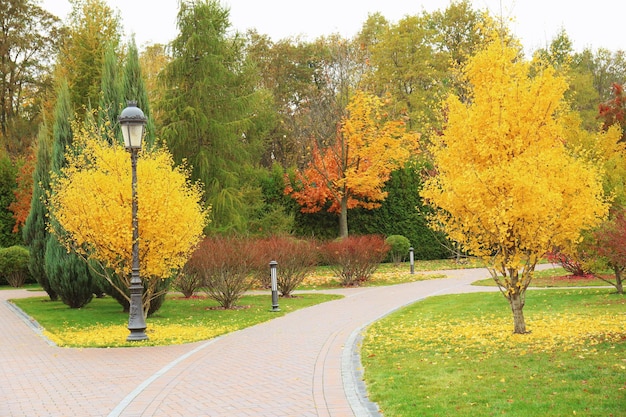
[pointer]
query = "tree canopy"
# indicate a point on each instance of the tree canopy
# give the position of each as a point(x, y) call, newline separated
point(91, 201)
point(351, 169)
point(506, 187)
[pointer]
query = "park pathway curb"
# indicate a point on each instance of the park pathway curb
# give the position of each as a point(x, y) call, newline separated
point(304, 364)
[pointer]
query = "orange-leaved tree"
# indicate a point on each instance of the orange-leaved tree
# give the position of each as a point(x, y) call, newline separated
point(351, 169)
point(506, 187)
point(91, 202)
point(24, 191)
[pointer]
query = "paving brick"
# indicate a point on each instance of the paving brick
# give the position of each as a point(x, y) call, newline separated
point(293, 366)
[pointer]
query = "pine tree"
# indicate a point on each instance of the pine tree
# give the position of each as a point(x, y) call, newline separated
point(68, 274)
point(34, 232)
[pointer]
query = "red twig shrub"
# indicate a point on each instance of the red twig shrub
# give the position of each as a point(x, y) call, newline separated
point(226, 266)
point(571, 263)
point(296, 259)
point(355, 258)
point(188, 282)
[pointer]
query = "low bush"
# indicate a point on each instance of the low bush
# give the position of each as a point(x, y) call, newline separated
point(226, 267)
point(355, 258)
point(296, 258)
point(187, 282)
point(398, 248)
point(14, 265)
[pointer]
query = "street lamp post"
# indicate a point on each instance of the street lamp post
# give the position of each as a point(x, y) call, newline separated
point(133, 122)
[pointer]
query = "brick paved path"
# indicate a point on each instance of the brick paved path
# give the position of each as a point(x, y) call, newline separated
point(299, 365)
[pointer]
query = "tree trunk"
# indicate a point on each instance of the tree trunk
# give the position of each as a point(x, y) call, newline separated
point(517, 307)
point(343, 218)
point(618, 281)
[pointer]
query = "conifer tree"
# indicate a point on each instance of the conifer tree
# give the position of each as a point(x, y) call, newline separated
point(69, 275)
point(208, 109)
point(93, 28)
point(110, 104)
point(134, 89)
point(35, 233)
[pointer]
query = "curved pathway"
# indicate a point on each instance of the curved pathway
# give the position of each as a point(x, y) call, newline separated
point(300, 365)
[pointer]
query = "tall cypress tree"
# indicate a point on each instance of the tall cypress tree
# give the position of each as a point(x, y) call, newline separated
point(68, 274)
point(35, 233)
point(134, 89)
point(110, 104)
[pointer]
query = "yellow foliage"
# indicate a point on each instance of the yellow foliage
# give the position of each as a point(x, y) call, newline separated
point(491, 334)
point(160, 334)
point(92, 202)
point(604, 149)
point(505, 182)
point(358, 163)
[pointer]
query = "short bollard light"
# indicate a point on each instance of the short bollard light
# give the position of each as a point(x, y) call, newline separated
point(274, 278)
point(412, 260)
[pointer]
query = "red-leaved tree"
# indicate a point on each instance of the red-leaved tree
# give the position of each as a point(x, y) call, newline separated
point(613, 111)
point(609, 243)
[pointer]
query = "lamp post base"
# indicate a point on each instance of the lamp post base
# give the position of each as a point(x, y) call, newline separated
point(137, 335)
point(136, 320)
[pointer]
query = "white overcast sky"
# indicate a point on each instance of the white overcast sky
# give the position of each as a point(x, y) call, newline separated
point(593, 24)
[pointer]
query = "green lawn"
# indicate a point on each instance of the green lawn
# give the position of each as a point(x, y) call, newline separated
point(554, 277)
point(102, 323)
point(456, 355)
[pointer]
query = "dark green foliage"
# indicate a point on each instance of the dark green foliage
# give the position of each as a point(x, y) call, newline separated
point(209, 110)
point(14, 266)
point(110, 104)
point(69, 275)
point(134, 89)
point(354, 259)
point(398, 247)
point(8, 175)
point(34, 232)
point(272, 211)
point(321, 225)
point(403, 213)
point(62, 129)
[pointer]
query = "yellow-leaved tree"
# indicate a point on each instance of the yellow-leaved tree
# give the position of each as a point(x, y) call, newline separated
point(351, 169)
point(506, 187)
point(91, 202)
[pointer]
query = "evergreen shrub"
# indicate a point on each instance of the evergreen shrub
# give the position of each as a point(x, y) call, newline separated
point(14, 266)
point(398, 248)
